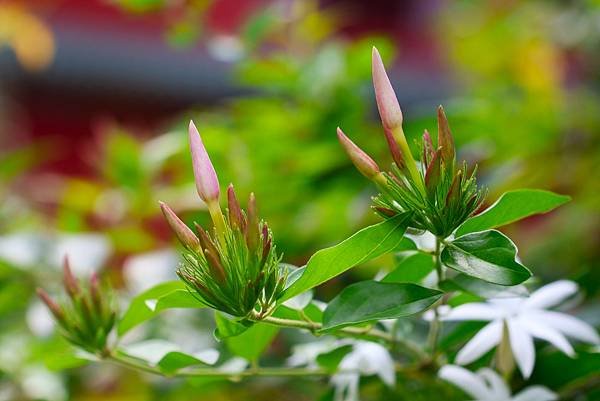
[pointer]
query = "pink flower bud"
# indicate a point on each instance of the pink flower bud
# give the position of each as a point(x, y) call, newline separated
point(360, 159)
point(183, 233)
point(52, 305)
point(70, 281)
point(387, 103)
point(445, 140)
point(207, 182)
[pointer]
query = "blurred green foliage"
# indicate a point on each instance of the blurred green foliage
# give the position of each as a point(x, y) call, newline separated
point(526, 110)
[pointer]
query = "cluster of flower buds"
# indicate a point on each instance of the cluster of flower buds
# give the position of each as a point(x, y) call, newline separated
point(234, 268)
point(87, 316)
point(439, 194)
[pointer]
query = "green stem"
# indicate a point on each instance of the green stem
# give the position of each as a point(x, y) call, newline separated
point(356, 332)
point(212, 372)
point(411, 165)
point(436, 324)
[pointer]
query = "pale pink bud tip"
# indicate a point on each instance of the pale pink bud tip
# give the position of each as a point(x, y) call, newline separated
point(360, 159)
point(207, 182)
point(183, 233)
point(387, 103)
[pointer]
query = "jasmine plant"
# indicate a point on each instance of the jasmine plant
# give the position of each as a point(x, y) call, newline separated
point(452, 265)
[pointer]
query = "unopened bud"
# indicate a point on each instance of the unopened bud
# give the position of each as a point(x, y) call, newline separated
point(428, 149)
point(214, 262)
point(385, 211)
point(205, 240)
point(95, 292)
point(445, 140)
point(70, 282)
point(394, 149)
point(183, 233)
point(387, 102)
point(252, 229)
point(454, 191)
point(51, 304)
point(207, 182)
point(362, 161)
point(432, 175)
point(236, 217)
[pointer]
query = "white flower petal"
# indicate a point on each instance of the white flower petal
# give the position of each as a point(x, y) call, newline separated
point(486, 339)
point(466, 380)
point(539, 329)
point(346, 386)
point(522, 347)
point(474, 311)
point(551, 294)
point(495, 383)
point(569, 326)
point(370, 358)
point(535, 393)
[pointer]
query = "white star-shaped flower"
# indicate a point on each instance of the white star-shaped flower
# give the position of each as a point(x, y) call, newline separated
point(366, 358)
point(526, 319)
point(487, 385)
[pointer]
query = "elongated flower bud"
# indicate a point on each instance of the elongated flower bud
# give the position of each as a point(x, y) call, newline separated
point(363, 162)
point(215, 264)
point(183, 233)
point(445, 140)
point(236, 217)
point(207, 182)
point(454, 191)
point(433, 173)
point(205, 240)
point(428, 149)
point(51, 304)
point(394, 149)
point(70, 281)
point(252, 232)
point(95, 292)
point(387, 102)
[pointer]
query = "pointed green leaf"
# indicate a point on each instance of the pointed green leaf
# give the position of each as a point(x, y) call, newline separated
point(513, 206)
point(369, 301)
point(412, 268)
point(148, 304)
point(229, 327)
point(252, 342)
point(486, 255)
point(367, 244)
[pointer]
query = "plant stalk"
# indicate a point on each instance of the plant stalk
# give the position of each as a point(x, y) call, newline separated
point(436, 324)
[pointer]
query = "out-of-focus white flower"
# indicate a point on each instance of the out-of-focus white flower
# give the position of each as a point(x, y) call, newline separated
point(525, 318)
point(145, 270)
point(87, 252)
point(22, 249)
point(487, 385)
point(39, 383)
point(306, 354)
point(366, 358)
point(39, 319)
point(234, 365)
point(424, 242)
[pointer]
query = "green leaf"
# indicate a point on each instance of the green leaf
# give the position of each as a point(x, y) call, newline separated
point(413, 268)
point(367, 244)
point(148, 304)
point(252, 342)
point(369, 301)
point(227, 327)
point(486, 255)
point(168, 356)
point(513, 206)
point(175, 360)
point(475, 286)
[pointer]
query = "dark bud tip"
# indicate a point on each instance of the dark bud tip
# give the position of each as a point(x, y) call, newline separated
point(236, 217)
point(70, 282)
point(51, 304)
